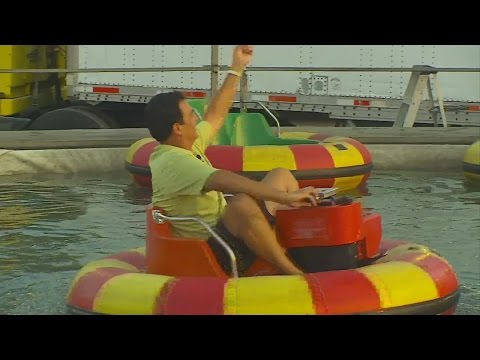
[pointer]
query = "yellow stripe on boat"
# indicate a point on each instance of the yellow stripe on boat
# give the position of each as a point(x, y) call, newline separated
point(344, 158)
point(400, 283)
point(268, 295)
point(261, 158)
point(130, 294)
point(348, 182)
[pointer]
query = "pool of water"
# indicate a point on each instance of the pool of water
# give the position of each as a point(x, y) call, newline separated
point(50, 226)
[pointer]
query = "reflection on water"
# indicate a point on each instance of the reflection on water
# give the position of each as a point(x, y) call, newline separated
point(50, 226)
point(25, 204)
point(137, 195)
point(63, 222)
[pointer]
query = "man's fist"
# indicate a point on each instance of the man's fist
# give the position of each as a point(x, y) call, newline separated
point(242, 56)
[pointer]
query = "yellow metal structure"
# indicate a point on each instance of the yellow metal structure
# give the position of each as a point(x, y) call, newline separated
point(17, 89)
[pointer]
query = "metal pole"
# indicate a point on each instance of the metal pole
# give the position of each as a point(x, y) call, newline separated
point(107, 70)
point(215, 70)
point(224, 67)
point(72, 64)
point(243, 92)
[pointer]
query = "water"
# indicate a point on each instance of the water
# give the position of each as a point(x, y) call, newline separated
point(50, 226)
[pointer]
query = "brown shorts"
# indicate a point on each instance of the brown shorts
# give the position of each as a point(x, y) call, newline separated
point(245, 257)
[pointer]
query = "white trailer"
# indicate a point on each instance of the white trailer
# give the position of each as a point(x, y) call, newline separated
point(363, 98)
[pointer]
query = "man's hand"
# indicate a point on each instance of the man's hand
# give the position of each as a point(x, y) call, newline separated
point(242, 56)
point(302, 197)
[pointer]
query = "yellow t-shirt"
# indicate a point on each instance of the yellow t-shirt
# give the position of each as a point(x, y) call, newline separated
point(178, 180)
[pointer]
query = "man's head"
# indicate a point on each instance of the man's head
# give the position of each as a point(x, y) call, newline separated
point(171, 119)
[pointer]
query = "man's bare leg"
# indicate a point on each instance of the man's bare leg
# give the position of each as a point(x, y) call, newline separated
point(283, 180)
point(244, 219)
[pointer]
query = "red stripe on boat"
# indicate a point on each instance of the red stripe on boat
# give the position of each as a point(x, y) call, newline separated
point(132, 257)
point(312, 157)
point(85, 290)
point(450, 311)
point(439, 270)
point(192, 296)
point(342, 292)
point(226, 157)
point(387, 245)
point(142, 156)
point(143, 180)
point(319, 183)
point(367, 158)
point(442, 273)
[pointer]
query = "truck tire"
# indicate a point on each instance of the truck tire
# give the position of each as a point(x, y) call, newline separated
point(111, 122)
point(75, 117)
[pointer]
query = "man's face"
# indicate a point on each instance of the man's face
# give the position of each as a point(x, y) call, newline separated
point(189, 126)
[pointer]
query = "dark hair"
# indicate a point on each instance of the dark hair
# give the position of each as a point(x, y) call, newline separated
point(161, 112)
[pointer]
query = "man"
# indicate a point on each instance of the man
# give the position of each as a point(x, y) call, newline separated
point(185, 184)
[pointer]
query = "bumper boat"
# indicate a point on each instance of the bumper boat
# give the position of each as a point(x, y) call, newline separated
point(471, 162)
point(247, 146)
point(349, 270)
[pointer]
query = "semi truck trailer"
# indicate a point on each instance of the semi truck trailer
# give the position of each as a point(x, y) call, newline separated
point(107, 86)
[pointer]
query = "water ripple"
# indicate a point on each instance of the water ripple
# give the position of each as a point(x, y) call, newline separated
point(51, 225)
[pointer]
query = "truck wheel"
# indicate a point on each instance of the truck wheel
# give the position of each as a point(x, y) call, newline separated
point(112, 123)
point(77, 117)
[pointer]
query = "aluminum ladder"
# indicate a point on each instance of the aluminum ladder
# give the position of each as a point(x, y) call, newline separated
point(422, 77)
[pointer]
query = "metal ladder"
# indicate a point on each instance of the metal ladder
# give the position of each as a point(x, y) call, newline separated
point(422, 76)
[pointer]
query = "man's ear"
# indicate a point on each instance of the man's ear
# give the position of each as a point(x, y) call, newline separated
point(176, 129)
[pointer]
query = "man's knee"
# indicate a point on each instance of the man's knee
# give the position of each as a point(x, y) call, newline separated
point(282, 179)
point(241, 204)
point(281, 172)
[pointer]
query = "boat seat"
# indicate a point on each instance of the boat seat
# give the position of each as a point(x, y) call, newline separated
point(252, 129)
point(169, 255)
point(175, 256)
point(199, 106)
point(224, 135)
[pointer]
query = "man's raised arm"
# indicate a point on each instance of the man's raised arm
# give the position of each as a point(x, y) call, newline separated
point(221, 103)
